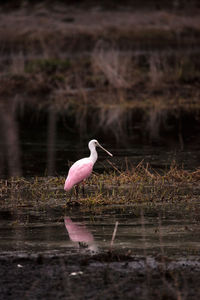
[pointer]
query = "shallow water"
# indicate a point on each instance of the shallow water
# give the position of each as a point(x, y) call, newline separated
point(73, 231)
point(36, 162)
point(39, 148)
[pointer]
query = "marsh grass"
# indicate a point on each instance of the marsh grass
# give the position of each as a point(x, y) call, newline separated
point(138, 185)
point(110, 63)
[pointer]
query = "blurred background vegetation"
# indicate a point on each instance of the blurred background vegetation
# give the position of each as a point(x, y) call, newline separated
point(125, 72)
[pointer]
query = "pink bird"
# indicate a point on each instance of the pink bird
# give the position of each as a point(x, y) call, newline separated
point(82, 168)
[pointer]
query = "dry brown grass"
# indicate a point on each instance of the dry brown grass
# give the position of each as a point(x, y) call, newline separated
point(114, 66)
point(138, 184)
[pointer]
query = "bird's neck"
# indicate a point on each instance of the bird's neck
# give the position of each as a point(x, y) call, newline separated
point(93, 155)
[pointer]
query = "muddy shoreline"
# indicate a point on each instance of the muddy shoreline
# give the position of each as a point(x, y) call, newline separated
point(97, 277)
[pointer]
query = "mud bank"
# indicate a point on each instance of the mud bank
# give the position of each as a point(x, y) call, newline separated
point(105, 276)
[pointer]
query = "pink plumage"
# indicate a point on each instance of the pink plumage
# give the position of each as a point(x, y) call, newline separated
point(82, 168)
point(77, 173)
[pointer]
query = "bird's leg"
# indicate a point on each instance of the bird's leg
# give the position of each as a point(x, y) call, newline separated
point(76, 191)
point(83, 188)
point(70, 196)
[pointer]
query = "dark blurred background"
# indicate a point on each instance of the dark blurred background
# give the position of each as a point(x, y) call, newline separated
point(142, 4)
point(123, 72)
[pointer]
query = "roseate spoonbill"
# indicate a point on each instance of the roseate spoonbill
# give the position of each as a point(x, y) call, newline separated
point(82, 168)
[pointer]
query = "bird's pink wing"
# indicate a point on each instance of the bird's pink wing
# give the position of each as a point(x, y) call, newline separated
point(77, 173)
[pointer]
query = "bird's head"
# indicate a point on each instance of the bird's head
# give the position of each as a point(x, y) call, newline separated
point(94, 143)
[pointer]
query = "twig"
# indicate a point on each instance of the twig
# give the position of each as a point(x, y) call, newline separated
point(115, 168)
point(114, 234)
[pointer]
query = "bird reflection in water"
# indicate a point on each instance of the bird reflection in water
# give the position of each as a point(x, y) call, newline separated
point(78, 233)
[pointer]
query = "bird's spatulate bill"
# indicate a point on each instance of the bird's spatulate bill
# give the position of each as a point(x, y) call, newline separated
point(105, 150)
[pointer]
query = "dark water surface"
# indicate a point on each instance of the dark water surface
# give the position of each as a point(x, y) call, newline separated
point(47, 144)
point(51, 149)
point(71, 231)
point(35, 160)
